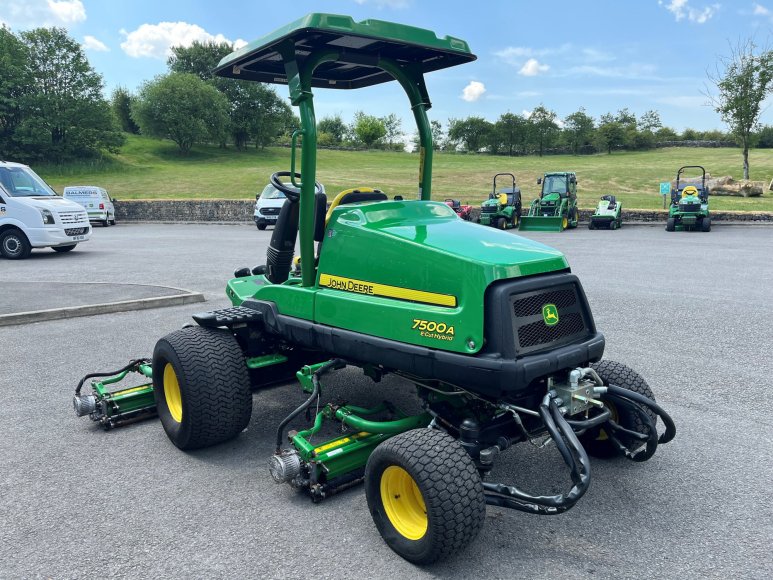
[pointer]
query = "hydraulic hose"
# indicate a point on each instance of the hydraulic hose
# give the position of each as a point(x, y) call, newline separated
point(571, 451)
point(335, 363)
point(670, 431)
point(133, 363)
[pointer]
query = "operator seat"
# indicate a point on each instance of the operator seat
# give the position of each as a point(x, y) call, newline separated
point(611, 199)
point(356, 195)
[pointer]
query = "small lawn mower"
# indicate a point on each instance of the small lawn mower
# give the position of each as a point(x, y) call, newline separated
point(502, 209)
point(608, 214)
point(463, 211)
point(689, 208)
point(556, 208)
point(493, 330)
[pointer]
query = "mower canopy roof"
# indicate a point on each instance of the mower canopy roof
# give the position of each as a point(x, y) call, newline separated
point(360, 46)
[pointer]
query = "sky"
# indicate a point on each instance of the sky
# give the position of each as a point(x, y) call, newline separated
point(603, 55)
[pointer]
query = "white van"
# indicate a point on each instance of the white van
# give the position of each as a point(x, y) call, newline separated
point(268, 204)
point(32, 215)
point(96, 200)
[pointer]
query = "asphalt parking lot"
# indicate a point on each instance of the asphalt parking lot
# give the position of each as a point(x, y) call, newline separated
point(690, 311)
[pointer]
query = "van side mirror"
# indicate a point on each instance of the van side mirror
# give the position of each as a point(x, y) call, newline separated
point(539, 181)
point(257, 196)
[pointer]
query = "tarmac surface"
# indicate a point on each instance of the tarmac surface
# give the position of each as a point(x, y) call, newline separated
point(690, 311)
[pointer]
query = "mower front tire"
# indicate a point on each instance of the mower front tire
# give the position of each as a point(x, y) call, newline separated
point(596, 441)
point(201, 386)
point(501, 223)
point(425, 495)
point(670, 225)
point(706, 224)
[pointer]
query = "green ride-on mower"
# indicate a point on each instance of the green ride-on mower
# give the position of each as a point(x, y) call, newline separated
point(556, 208)
point(493, 330)
point(689, 208)
point(502, 209)
point(608, 214)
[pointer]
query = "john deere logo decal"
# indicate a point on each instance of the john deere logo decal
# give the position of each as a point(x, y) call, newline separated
point(550, 314)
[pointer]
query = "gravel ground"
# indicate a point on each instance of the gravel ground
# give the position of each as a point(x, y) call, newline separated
point(690, 311)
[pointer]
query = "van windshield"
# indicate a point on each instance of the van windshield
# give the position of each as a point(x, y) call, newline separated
point(23, 182)
point(271, 192)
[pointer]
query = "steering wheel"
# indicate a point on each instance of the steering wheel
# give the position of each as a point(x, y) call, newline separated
point(292, 192)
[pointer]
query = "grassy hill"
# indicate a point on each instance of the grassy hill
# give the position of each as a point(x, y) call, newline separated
point(152, 169)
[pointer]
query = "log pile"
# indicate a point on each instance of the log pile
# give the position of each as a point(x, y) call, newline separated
point(726, 185)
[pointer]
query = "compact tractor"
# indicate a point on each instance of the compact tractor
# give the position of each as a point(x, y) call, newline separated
point(608, 214)
point(492, 330)
point(502, 209)
point(462, 210)
point(689, 208)
point(556, 208)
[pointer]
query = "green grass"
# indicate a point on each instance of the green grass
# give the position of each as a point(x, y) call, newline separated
point(152, 169)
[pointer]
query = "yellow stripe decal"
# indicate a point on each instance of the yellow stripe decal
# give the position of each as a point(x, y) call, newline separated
point(373, 289)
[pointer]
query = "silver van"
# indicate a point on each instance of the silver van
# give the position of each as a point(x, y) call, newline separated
point(96, 201)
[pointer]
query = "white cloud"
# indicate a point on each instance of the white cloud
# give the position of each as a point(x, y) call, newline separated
point(681, 9)
point(683, 101)
point(631, 71)
point(91, 43)
point(25, 14)
point(532, 68)
point(156, 40)
point(760, 10)
point(473, 91)
point(526, 114)
point(68, 11)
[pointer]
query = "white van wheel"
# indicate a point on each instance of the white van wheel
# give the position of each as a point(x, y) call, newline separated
point(14, 245)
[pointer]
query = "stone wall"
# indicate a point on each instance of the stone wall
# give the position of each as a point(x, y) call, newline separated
point(231, 210)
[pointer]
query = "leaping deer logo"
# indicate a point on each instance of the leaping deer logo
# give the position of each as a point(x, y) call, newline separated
point(550, 314)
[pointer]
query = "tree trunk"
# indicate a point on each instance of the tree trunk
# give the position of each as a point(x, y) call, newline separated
point(745, 159)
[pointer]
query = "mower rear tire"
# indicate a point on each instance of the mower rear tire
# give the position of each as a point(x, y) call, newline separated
point(596, 441)
point(501, 223)
point(575, 219)
point(706, 224)
point(201, 386)
point(670, 225)
point(425, 495)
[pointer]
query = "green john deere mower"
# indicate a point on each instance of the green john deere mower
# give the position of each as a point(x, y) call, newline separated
point(502, 209)
point(689, 208)
point(556, 208)
point(493, 330)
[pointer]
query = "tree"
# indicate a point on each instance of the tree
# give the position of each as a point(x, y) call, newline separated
point(578, 128)
point(510, 134)
point(437, 137)
point(393, 128)
point(367, 129)
point(183, 108)
point(256, 112)
point(543, 128)
point(472, 132)
point(334, 127)
point(743, 80)
point(200, 58)
point(64, 114)
point(650, 121)
point(609, 135)
point(15, 86)
point(121, 102)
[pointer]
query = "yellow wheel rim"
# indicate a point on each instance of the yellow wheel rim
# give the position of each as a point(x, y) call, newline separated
point(565, 223)
point(174, 400)
point(613, 415)
point(403, 503)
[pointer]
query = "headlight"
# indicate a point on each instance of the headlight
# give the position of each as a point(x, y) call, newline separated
point(48, 217)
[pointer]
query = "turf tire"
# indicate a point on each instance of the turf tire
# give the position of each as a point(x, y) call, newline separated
point(213, 382)
point(670, 225)
point(501, 223)
point(595, 441)
point(450, 486)
point(706, 224)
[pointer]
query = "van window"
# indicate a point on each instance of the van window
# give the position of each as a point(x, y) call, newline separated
point(23, 182)
point(270, 192)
